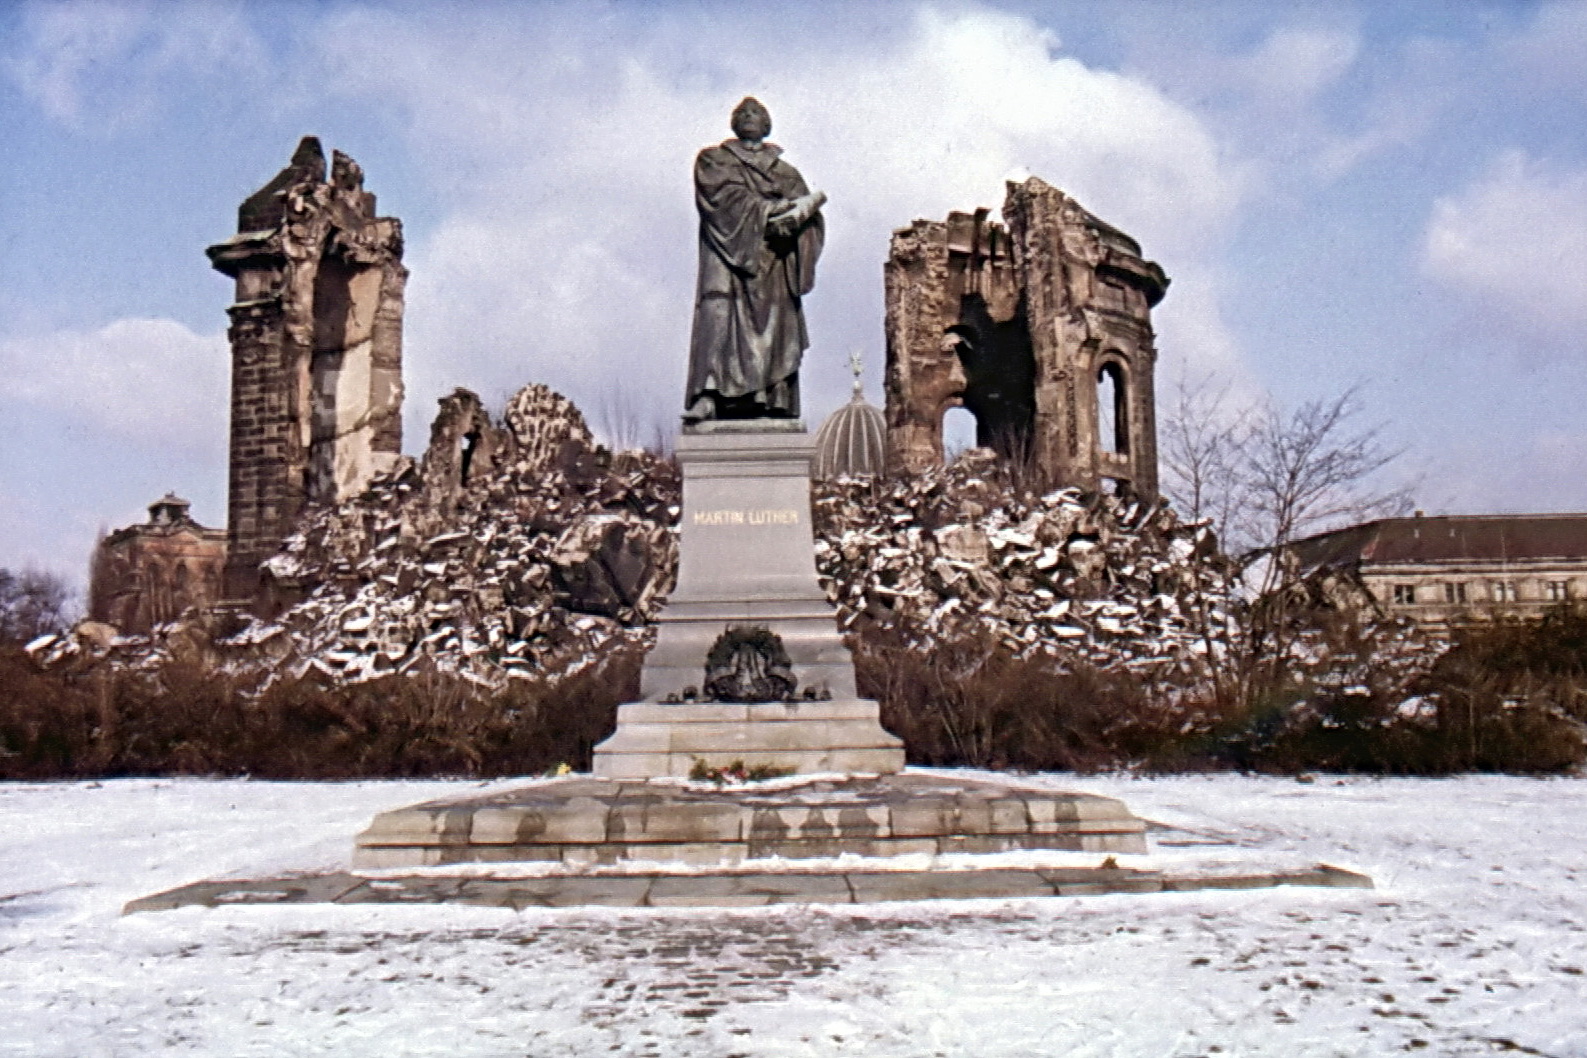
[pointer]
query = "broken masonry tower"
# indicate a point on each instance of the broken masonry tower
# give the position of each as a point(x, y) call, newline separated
point(316, 351)
point(1041, 329)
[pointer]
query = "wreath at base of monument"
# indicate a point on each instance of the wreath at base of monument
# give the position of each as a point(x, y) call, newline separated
point(748, 663)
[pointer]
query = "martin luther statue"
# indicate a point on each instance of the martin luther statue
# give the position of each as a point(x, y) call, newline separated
point(760, 234)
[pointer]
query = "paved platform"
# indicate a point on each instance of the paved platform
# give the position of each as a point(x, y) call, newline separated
point(746, 888)
point(583, 821)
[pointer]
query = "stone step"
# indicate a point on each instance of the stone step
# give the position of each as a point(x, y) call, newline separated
point(747, 888)
point(588, 820)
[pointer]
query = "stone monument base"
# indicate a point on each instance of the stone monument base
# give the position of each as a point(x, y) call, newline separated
point(584, 821)
point(793, 737)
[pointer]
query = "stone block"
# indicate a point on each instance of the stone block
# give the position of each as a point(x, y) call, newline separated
point(602, 891)
point(656, 739)
point(749, 890)
point(324, 888)
point(691, 822)
point(414, 889)
point(935, 885)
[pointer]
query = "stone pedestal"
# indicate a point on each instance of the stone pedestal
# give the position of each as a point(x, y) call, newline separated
point(747, 557)
point(582, 820)
point(660, 739)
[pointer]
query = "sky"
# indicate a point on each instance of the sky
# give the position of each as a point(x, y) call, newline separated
point(1385, 195)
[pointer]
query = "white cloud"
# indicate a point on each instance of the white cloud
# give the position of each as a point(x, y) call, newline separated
point(153, 382)
point(1552, 49)
point(1295, 63)
point(1515, 241)
point(567, 254)
point(1472, 474)
point(104, 62)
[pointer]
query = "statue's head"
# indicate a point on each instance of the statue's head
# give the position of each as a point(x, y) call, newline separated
point(751, 120)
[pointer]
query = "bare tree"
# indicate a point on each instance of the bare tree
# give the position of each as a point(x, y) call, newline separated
point(1201, 449)
point(1313, 468)
point(1265, 478)
point(31, 603)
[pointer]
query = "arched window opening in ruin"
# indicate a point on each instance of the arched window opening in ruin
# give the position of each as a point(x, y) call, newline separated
point(959, 428)
point(469, 442)
point(1113, 419)
point(999, 378)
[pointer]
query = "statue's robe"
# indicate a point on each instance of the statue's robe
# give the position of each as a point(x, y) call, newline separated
point(749, 328)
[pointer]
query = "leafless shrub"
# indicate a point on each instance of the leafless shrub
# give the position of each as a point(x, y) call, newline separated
point(1203, 439)
point(184, 718)
point(32, 603)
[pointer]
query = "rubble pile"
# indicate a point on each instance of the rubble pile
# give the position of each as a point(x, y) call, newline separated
point(1091, 579)
point(514, 550)
point(523, 550)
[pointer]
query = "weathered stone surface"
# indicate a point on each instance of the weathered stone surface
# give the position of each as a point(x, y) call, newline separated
point(747, 566)
point(795, 737)
point(746, 556)
point(595, 820)
point(316, 340)
point(734, 888)
point(1021, 325)
point(290, 889)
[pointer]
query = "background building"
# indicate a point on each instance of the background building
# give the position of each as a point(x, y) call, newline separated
point(147, 574)
point(1447, 567)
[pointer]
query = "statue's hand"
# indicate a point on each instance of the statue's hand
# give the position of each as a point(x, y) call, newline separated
point(796, 214)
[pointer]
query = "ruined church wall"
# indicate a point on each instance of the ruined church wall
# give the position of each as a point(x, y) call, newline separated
point(1018, 323)
point(316, 339)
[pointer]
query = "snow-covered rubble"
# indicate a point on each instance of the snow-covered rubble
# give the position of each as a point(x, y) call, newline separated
point(523, 550)
point(514, 550)
point(959, 552)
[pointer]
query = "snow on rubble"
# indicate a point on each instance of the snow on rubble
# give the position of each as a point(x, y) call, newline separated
point(521, 549)
point(958, 551)
point(513, 549)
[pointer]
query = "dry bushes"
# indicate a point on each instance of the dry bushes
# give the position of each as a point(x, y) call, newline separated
point(184, 719)
point(1506, 695)
point(974, 702)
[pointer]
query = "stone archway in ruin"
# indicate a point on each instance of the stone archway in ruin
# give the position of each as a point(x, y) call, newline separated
point(999, 378)
point(1113, 408)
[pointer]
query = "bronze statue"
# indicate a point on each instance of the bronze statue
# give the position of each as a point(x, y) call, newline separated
point(761, 231)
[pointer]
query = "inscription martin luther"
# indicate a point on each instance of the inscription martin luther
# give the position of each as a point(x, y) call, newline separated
point(762, 516)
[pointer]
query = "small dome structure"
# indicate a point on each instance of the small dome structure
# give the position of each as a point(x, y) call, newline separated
point(853, 439)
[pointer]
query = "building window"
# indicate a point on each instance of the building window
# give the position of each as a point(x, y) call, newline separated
point(1558, 590)
point(1113, 409)
point(1504, 591)
point(1455, 592)
point(1405, 595)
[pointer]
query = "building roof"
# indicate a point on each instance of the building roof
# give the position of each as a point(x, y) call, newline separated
point(1449, 538)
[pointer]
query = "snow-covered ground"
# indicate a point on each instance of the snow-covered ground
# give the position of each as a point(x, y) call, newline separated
point(1474, 942)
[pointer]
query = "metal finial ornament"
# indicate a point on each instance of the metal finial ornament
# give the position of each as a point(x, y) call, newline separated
point(856, 365)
